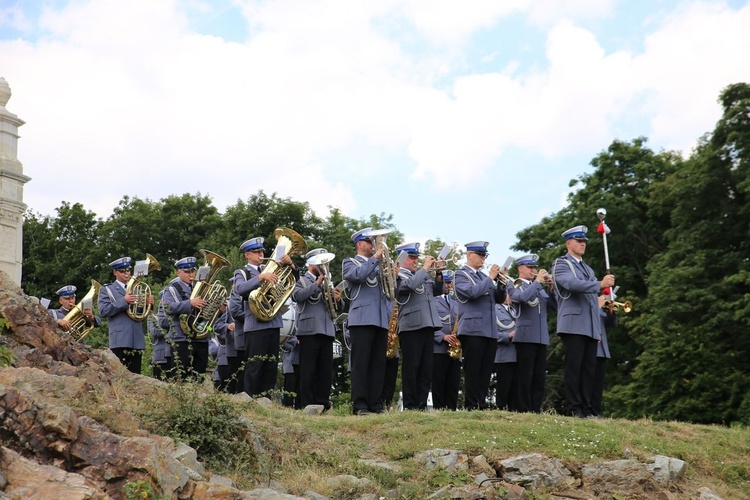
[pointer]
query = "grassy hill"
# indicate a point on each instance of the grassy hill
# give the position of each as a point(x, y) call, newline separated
point(304, 451)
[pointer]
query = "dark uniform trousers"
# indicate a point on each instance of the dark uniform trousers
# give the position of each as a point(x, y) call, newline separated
point(479, 361)
point(262, 348)
point(531, 376)
point(316, 369)
point(416, 366)
point(193, 359)
point(368, 364)
point(129, 357)
point(446, 381)
point(389, 384)
point(580, 366)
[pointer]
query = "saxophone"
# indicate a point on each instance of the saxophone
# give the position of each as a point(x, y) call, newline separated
point(266, 301)
point(392, 346)
point(141, 309)
point(79, 324)
point(198, 323)
point(455, 351)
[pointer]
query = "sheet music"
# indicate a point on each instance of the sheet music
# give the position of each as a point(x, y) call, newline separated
point(202, 273)
point(508, 262)
point(141, 268)
point(444, 252)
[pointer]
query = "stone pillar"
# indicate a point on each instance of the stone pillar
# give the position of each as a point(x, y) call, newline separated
point(12, 180)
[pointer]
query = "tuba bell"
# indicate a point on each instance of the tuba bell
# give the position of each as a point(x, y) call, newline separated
point(198, 324)
point(79, 324)
point(266, 301)
point(141, 309)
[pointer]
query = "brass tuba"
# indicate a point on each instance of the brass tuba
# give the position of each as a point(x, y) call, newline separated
point(322, 261)
point(140, 309)
point(266, 300)
point(79, 325)
point(387, 267)
point(198, 323)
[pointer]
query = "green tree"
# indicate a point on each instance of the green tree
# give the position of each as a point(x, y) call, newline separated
point(695, 363)
point(61, 250)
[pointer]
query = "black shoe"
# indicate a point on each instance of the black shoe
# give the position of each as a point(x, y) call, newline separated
point(361, 412)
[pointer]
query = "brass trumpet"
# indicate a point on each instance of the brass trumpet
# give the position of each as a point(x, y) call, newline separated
point(612, 306)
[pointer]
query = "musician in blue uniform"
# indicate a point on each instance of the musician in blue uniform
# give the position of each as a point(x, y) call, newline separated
point(579, 321)
point(162, 362)
point(316, 332)
point(477, 295)
point(506, 365)
point(446, 371)
point(418, 320)
point(532, 299)
point(261, 337)
point(368, 324)
point(67, 298)
point(192, 353)
point(126, 338)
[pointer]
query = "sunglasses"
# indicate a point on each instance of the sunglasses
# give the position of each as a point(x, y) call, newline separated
point(482, 254)
point(123, 271)
point(189, 271)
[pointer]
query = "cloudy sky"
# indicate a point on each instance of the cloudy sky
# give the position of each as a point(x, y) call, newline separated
point(465, 120)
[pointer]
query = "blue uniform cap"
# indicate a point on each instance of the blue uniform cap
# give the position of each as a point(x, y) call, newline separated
point(447, 276)
point(528, 260)
point(67, 291)
point(409, 248)
point(477, 246)
point(577, 232)
point(121, 263)
point(252, 244)
point(362, 234)
point(185, 263)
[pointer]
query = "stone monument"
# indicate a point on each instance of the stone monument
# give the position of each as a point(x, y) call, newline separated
point(12, 180)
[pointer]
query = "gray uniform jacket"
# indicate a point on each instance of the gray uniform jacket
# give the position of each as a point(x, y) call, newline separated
point(532, 302)
point(447, 310)
point(176, 300)
point(506, 323)
point(312, 313)
point(476, 295)
point(416, 305)
point(577, 290)
point(160, 349)
point(123, 331)
point(289, 355)
point(243, 286)
point(368, 303)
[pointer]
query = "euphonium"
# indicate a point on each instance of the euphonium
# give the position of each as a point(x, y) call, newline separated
point(79, 325)
point(387, 269)
point(322, 261)
point(140, 309)
point(454, 350)
point(266, 300)
point(392, 346)
point(198, 323)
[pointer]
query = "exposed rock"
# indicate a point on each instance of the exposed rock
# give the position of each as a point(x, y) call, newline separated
point(380, 464)
point(708, 494)
point(27, 479)
point(188, 457)
point(314, 410)
point(666, 469)
point(623, 477)
point(536, 471)
point(264, 494)
point(451, 460)
point(480, 464)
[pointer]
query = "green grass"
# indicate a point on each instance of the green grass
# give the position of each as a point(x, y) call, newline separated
point(304, 451)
